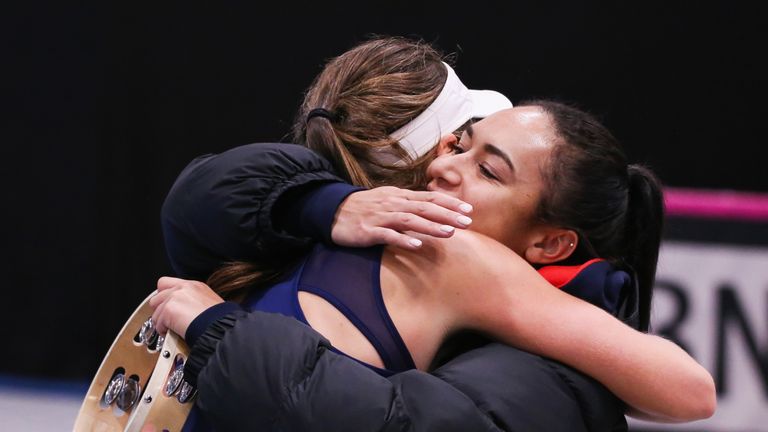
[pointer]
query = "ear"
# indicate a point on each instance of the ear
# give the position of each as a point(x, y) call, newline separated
point(446, 143)
point(552, 245)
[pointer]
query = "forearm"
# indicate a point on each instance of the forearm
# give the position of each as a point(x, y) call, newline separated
point(515, 304)
point(652, 375)
point(222, 207)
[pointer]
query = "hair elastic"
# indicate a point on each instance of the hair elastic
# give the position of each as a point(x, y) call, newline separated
point(321, 112)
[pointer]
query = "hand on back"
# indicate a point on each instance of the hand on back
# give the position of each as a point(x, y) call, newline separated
point(386, 214)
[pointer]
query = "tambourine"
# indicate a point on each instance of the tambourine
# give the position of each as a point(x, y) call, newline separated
point(140, 384)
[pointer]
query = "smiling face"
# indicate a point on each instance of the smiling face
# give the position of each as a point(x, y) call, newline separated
point(498, 166)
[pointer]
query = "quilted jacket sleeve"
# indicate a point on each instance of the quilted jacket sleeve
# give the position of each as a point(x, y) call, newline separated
point(223, 207)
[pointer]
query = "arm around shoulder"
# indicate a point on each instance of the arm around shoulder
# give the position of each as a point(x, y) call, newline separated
point(503, 295)
point(220, 207)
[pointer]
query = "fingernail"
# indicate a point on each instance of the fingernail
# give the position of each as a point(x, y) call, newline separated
point(464, 220)
point(446, 228)
point(415, 242)
point(466, 208)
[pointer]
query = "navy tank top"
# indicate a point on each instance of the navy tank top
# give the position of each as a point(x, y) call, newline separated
point(348, 279)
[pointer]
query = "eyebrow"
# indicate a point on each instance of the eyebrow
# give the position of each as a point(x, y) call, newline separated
point(492, 149)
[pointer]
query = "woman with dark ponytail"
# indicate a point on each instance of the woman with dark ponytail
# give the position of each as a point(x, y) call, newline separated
point(644, 228)
point(547, 184)
point(617, 209)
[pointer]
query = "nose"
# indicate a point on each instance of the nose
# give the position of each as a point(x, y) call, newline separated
point(445, 172)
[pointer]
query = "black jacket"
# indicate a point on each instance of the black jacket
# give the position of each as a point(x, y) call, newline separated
point(258, 371)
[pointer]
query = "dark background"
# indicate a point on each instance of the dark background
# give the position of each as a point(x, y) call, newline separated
point(104, 105)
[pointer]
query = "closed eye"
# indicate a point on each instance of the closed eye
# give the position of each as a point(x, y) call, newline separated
point(487, 173)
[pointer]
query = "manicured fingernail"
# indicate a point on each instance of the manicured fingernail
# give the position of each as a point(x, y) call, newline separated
point(415, 242)
point(466, 208)
point(446, 228)
point(464, 220)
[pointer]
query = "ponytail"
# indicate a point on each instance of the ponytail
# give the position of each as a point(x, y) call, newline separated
point(233, 281)
point(322, 137)
point(363, 96)
point(644, 223)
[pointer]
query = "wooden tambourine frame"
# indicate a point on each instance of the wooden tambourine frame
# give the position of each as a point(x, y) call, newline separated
point(154, 409)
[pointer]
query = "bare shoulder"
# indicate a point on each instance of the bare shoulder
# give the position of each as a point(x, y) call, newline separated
point(465, 256)
point(473, 278)
point(463, 239)
point(484, 253)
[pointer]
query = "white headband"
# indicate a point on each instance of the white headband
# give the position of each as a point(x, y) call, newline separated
point(453, 107)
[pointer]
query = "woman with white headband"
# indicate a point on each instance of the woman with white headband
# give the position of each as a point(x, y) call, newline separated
point(332, 116)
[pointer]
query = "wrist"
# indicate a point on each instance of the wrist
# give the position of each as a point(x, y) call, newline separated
point(311, 211)
point(202, 321)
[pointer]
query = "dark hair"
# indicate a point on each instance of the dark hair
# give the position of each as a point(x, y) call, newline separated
point(371, 91)
point(617, 209)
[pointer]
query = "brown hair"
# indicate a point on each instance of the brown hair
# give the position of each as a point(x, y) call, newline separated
point(370, 91)
point(233, 280)
point(373, 89)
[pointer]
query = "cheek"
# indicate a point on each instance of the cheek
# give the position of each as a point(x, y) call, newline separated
point(492, 213)
point(481, 199)
point(506, 217)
